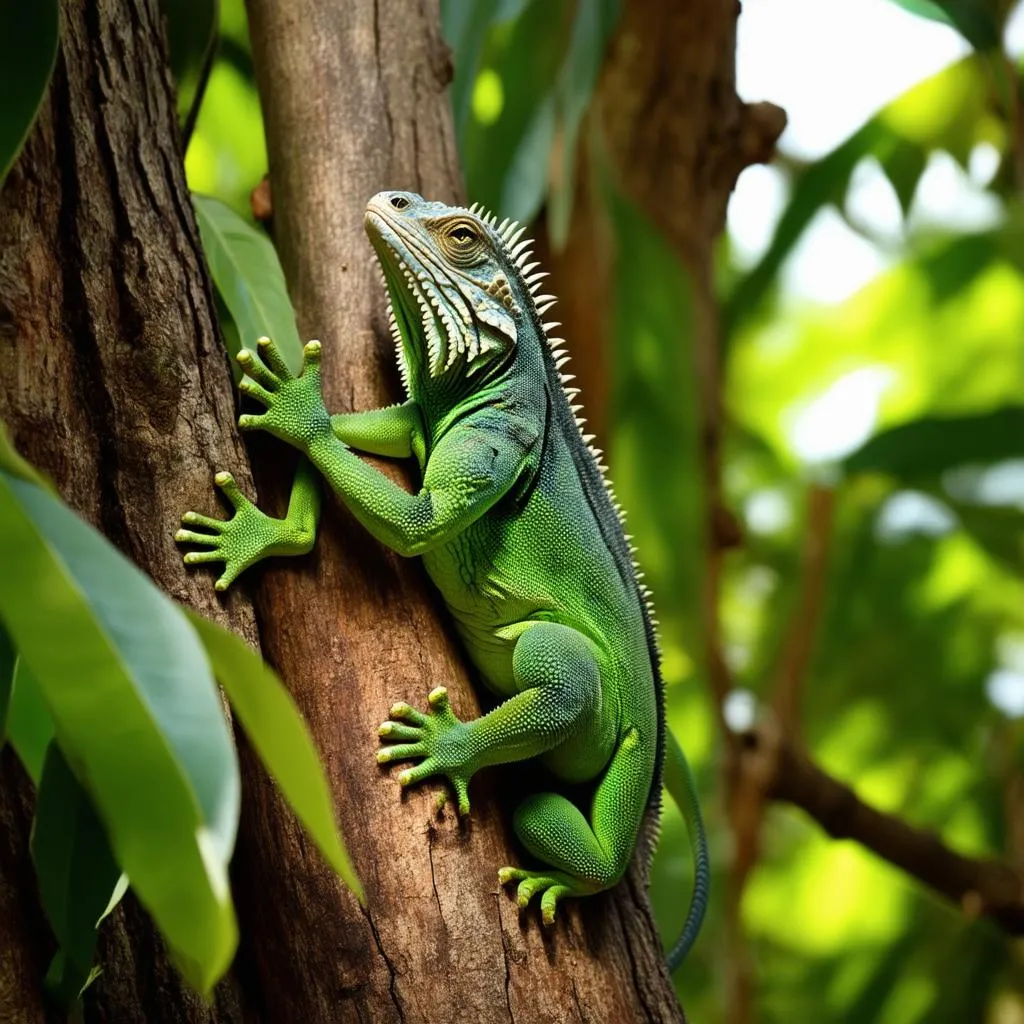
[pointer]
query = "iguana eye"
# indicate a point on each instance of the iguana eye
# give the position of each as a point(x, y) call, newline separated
point(462, 235)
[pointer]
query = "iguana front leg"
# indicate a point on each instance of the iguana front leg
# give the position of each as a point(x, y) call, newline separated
point(470, 469)
point(250, 535)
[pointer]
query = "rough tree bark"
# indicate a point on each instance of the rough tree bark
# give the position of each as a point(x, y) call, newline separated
point(113, 380)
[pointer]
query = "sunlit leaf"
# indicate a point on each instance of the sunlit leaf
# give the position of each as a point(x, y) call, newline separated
point(495, 154)
point(277, 732)
point(76, 871)
point(929, 446)
point(948, 110)
point(248, 275)
point(823, 182)
point(28, 49)
point(903, 166)
point(137, 712)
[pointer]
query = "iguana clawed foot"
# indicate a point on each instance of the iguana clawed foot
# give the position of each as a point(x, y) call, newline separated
point(553, 884)
point(238, 542)
point(437, 736)
point(295, 409)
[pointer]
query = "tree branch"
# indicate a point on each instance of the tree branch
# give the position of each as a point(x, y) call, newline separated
point(981, 887)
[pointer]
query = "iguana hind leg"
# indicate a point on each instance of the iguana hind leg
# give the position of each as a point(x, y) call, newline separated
point(559, 704)
point(587, 856)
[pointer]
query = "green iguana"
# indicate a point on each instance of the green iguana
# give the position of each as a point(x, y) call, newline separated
point(518, 529)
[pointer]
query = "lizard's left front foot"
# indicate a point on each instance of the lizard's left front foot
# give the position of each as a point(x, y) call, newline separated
point(437, 737)
point(553, 884)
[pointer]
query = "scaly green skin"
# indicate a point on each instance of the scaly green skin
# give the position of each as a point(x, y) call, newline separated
point(516, 528)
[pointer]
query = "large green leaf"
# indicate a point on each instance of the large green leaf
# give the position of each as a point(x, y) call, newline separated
point(506, 158)
point(29, 724)
point(28, 49)
point(248, 275)
point(76, 871)
point(929, 446)
point(276, 730)
point(137, 713)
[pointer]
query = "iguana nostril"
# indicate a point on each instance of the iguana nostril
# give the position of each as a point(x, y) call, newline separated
point(399, 202)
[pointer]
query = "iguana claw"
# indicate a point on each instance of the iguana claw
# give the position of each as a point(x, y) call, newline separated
point(553, 884)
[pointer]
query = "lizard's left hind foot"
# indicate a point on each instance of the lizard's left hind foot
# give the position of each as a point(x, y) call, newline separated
point(553, 884)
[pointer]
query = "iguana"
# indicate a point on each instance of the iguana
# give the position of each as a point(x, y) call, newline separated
point(516, 526)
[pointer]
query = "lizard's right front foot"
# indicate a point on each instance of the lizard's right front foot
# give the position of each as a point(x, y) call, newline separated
point(240, 541)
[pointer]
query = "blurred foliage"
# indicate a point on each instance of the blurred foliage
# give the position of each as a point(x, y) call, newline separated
point(906, 396)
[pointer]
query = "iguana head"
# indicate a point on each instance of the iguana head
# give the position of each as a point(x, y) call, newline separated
point(460, 285)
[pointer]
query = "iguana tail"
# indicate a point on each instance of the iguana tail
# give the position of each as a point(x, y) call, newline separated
point(679, 782)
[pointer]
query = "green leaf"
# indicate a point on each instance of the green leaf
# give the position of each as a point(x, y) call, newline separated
point(925, 448)
point(973, 19)
point(8, 660)
point(903, 165)
point(76, 871)
point(248, 275)
point(28, 49)
point(495, 154)
point(465, 28)
point(592, 29)
point(191, 33)
point(29, 725)
point(137, 712)
point(948, 110)
point(277, 732)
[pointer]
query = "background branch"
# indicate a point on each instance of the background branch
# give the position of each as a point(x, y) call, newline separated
point(981, 887)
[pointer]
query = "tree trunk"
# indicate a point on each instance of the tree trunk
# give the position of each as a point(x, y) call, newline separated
point(113, 380)
point(440, 941)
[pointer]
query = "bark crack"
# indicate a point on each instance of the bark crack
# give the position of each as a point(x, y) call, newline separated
point(392, 973)
point(507, 958)
point(433, 879)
